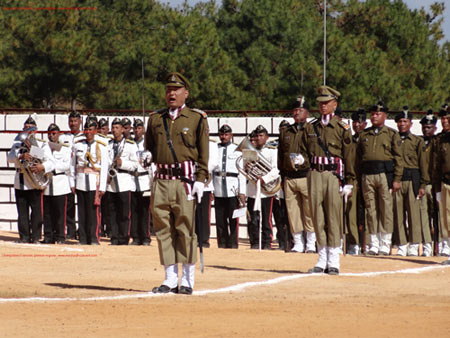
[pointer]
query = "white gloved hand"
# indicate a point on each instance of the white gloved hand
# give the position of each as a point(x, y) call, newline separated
point(299, 159)
point(346, 191)
point(438, 197)
point(198, 189)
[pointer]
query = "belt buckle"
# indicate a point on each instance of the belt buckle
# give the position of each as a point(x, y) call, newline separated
point(320, 167)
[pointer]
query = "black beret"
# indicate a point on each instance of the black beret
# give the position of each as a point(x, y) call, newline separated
point(284, 124)
point(176, 79)
point(359, 115)
point(102, 122)
point(405, 114)
point(90, 122)
point(429, 118)
point(445, 110)
point(379, 107)
point(117, 120)
point(260, 130)
point(126, 121)
point(91, 116)
point(53, 127)
point(252, 134)
point(74, 113)
point(300, 103)
point(138, 123)
point(225, 129)
point(30, 120)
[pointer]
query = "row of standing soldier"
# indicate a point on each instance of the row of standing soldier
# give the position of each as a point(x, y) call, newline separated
point(95, 168)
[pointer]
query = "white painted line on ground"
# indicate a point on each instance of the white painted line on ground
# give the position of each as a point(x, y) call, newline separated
point(232, 288)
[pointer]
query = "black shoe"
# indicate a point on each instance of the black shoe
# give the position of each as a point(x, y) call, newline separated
point(222, 246)
point(165, 289)
point(22, 241)
point(114, 242)
point(185, 290)
point(47, 241)
point(267, 247)
point(333, 271)
point(254, 246)
point(35, 241)
point(316, 269)
point(145, 243)
point(82, 243)
point(61, 241)
point(205, 245)
point(447, 262)
point(310, 251)
point(135, 242)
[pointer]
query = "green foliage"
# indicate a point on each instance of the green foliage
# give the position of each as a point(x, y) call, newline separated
point(247, 54)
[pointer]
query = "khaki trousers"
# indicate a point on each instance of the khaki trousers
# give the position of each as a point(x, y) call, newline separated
point(297, 204)
point(426, 205)
point(379, 204)
point(352, 217)
point(405, 202)
point(173, 220)
point(444, 208)
point(326, 207)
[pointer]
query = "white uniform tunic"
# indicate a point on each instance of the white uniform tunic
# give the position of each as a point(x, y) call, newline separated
point(228, 186)
point(13, 157)
point(124, 181)
point(213, 161)
point(60, 184)
point(143, 178)
point(270, 154)
point(87, 174)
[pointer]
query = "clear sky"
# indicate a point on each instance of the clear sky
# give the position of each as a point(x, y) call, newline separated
point(414, 4)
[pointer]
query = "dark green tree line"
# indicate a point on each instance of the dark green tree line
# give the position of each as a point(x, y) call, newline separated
point(247, 54)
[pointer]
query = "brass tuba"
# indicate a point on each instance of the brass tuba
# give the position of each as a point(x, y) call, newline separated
point(256, 166)
point(38, 180)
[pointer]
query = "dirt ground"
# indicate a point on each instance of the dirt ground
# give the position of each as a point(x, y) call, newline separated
point(103, 291)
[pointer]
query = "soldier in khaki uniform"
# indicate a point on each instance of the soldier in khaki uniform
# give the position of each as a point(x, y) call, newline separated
point(381, 168)
point(293, 171)
point(414, 179)
point(327, 147)
point(178, 138)
point(427, 206)
point(441, 172)
point(355, 206)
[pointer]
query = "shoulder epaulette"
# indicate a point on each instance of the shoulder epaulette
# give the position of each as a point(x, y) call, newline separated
point(201, 112)
point(101, 135)
point(314, 121)
point(212, 140)
point(343, 124)
point(101, 142)
point(271, 146)
point(130, 141)
point(80, 140)
point(64, 144)
point(158, 111)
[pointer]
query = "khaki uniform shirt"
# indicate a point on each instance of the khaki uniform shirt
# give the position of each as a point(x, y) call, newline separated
point(289, 142)
point(414, 156)
point(381, 144)
point(337, 137)
point(441, 163)
point(189, 133)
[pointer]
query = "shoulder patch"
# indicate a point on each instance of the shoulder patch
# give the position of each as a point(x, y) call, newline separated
point(101, 142)
point(343, 124)
point(130, 141)
point(201, 112)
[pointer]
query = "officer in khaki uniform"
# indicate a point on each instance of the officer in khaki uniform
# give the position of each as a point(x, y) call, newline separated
point(414, 179)
point(441, 172)
point(428, 123)
point(381, 168)
point(327, 147)
point(178, 138)
point(293, 172)
point(355, 206)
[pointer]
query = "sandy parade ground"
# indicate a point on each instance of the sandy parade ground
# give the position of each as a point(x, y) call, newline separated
point(105, 291)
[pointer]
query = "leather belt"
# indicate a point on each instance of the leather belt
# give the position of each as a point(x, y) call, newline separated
point(87, 170)
point(323, 167)
point(174, 172)
point(225, 174)
point(54, 173)
point(295, 174)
